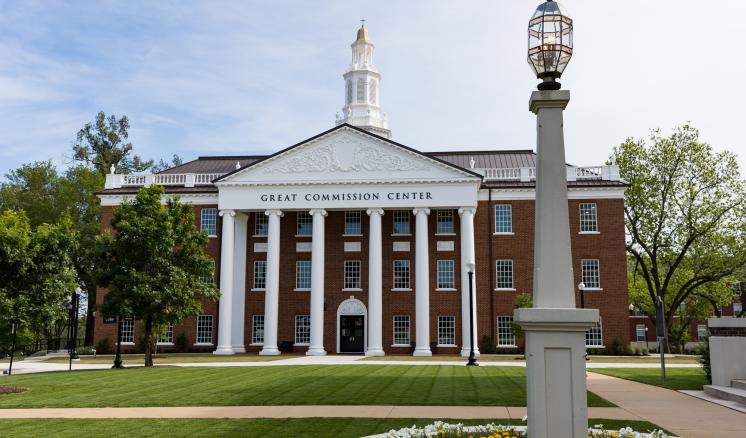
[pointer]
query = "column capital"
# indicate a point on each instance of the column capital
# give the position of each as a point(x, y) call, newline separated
point(372, 211)
point(419, 210)
point(228, 212)
point(467, 210)
point(278, 213)
point(315, 211)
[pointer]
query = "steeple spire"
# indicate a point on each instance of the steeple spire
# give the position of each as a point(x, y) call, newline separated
point(362, 89)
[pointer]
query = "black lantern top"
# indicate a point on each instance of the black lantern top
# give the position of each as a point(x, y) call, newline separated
point(549, 43)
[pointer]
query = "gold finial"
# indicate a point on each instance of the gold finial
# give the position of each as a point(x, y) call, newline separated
point(362, 33)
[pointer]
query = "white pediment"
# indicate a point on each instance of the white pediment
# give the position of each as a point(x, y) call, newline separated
point(346, 155)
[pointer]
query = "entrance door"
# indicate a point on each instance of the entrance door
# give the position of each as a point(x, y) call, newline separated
point(351, 334)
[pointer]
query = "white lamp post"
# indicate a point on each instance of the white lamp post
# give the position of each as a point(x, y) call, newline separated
point(555, 328)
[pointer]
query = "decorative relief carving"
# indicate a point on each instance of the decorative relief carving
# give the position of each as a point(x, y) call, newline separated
point(351, 307)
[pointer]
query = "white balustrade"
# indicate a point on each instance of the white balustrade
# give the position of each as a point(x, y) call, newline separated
point(525, 174)
point(115, 181)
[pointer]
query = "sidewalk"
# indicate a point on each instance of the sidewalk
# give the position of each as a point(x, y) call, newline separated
point(683, 415)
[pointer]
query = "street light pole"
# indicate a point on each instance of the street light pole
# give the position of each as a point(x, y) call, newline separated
point(118, 357)
point(12, 349)
point(472, 358)
point(581, 288)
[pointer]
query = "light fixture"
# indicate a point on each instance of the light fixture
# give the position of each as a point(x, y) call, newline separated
point(549, 43)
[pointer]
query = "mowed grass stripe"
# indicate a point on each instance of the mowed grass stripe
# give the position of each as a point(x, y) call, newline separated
point(281, 385)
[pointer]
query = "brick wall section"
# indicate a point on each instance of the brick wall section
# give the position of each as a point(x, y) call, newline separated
point(607, 246)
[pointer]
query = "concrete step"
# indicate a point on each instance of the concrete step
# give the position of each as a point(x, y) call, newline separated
point(726, 393)
point(740, 384)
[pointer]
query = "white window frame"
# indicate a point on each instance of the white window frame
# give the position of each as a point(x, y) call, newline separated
point(589, 267)
point(503, 267)
point(401, 217)
point(353, 218)
point(260, 281)
point(402, 275)
point(204, 330)
point(701, 332)
point(352, 275)
point(445, 224)
point(402, 331)
point(641, 335)
point(168, 338)
point(446, 331)
point(446, 277)
point(209, 221)
point(303, 275)
point(595, 333)
point(302, 330)
point(509, 209)
point(303, 223)
point(588, 218)
point(257, 330)
point(505, 335)
point(261, 224)
point(127, 330)
point(737, 310)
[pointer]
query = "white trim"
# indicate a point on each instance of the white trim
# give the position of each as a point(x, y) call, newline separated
point(301, 344)
point(302, 289)
point(503, 234)
point(447, 345)
point(593, 289)
point(524, 194)
point(256, 344)
point(203, 344)
point(404, 289)
point(126, 344)
point(445, 289)
point(259, 236)
point(589, 232)
point(304, 235)
point(445, 234)
point(401, 235)
point(352, 235)
point(365, 322)
point(163, 343)
point(109, 200)
point(401, 345)
point(352, 289)
point(505, 289)
point(258, 289)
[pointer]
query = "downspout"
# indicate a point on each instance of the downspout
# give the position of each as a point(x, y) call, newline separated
point(490, 221)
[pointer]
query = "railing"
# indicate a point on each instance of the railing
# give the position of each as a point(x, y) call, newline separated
point(527, 174)
point(115, 181)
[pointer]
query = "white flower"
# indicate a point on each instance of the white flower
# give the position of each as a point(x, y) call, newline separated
point(525, 417)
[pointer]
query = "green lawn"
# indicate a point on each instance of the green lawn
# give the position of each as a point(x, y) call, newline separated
point(676, 378)
point(137, 359)
point(278, 385)
point(310, 427)
point(519, 358)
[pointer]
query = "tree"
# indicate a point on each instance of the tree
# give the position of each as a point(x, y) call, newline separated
point(684, 219)
point(101, 144)
point(154, 263)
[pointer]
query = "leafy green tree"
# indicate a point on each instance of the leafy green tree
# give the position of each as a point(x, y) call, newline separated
point(153, 263)
point(684, 214)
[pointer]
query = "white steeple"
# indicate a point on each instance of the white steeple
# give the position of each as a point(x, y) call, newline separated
point(362, 89)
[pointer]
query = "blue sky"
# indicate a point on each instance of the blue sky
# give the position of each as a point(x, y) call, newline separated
point(251, 77)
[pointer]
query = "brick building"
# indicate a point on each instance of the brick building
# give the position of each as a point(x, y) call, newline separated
point(352, 242)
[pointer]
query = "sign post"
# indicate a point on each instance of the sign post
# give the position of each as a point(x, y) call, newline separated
point(12, 349)
point(660, 329)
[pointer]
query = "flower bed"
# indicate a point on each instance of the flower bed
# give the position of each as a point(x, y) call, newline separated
point(440, 429)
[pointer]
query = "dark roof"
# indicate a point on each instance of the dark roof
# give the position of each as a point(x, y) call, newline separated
point(213, 164)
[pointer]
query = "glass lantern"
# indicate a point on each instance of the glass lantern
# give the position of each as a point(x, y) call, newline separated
point(549, 43)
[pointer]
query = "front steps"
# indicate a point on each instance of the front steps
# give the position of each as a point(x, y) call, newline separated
point(734, 393)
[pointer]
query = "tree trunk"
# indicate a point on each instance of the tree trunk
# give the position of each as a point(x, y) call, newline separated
point(148, 342)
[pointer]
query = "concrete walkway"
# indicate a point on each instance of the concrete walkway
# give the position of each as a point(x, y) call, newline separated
point(683, 415)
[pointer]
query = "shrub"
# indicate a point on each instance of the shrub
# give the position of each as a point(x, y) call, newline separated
point(180, 343)
point(704, 359)
point(644, 351)
point(85, 350)
point(488, 345)
point(103, 346)
point(617, 346)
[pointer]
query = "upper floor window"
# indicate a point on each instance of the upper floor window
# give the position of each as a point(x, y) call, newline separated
point(504, 274)
point(445, 222)
point(305, 224)
point(445, 274)
point(260, 274)
point(261, 224)
point(588, 218)
point(209, 223)
point(352, 274)
point(401, 221)
point(303, 274)
point(590, 273)
point(401, 274)
point(503, 218)
point(353, 222)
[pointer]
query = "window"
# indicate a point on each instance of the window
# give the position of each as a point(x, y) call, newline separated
point(352, 274)
point(446, 330)
point(109, 320)
point(305, 224)
point(504, 274)
point(167, 335)
point(445, 274)
point(372, 92)
point(127, 327)
point(588, 218)
point(257, 329)
point(590, 273)
point(505, 336)
point(209, 222)
point(737, 309)
point(204, 329)
point(260, 274)
point(360, 91)
point(303, 274)
point(401, 330)
point(352, 222)
point(594, 336)
point(701, 332)
point(445, 222)
point(302, 329)
point(401, 274)
point(640, 333)
point(261, 224)
point(349, 92)
point(401, 221)
point(503, 218)
point(211, 278)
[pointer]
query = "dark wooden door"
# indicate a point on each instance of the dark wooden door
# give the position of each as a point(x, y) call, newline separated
point(351, 334)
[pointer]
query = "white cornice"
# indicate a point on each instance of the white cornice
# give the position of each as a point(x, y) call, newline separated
point(520, 194)
point(192, 198)
point(473, 181)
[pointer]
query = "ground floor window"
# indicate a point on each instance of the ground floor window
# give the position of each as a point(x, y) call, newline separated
point(401, 330)
point(594, 336)
point(257, 329)
point(505, 336)
point(641, 333)
point(504, 274)
point(166, 336)
point(127, 330)
point(204, 329)
point(701, 332)
point(302, 329)
point(446, 330)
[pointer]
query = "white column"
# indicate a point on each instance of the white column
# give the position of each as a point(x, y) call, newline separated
point(375, 285)
point(422, 279)
point(272, 290)
point(239, 283)
point(316, 347)
point(227, 244)
point(467, 256)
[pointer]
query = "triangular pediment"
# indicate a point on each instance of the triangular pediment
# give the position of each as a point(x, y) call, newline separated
point(346, 155)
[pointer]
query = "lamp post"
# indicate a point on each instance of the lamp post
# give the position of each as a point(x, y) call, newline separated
point(118, 357)
point(14, 329)
point(76, 309)
point(472, 358)
point(581, 288)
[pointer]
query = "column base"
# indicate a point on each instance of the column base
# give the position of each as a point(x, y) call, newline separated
point(239, 349)
point(269, 351)
point(223, 351)
point(422, 352)
point(375, 352)
point(316, 351)
point(466, 352)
